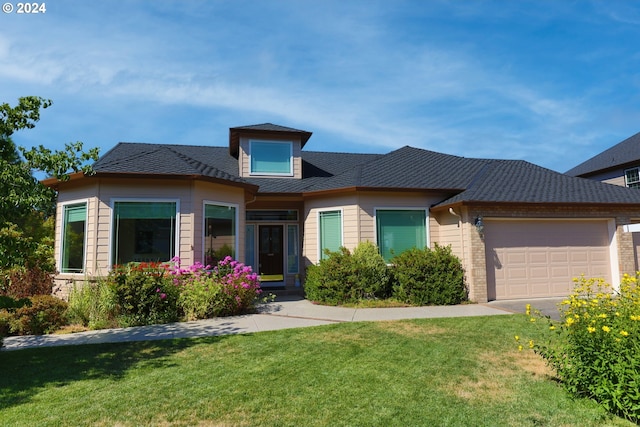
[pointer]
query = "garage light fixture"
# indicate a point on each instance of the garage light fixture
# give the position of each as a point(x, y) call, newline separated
point(479, 226)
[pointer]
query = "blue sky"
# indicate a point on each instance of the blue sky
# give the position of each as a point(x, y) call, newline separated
point(550, 82)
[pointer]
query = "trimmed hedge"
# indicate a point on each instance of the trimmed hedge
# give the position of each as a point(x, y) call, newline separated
point(417, 277)
point(429, 277)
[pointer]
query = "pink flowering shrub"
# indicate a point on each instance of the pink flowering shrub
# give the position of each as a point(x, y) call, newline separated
point(230, 288)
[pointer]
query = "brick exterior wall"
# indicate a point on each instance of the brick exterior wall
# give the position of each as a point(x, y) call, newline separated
point(474, 259)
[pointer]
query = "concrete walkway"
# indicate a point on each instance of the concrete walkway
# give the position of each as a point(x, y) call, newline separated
point(281, 314)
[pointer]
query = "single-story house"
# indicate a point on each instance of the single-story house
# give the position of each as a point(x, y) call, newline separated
point(520, 230)
point(618, 165)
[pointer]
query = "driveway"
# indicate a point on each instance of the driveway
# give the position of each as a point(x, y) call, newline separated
point(547, 306)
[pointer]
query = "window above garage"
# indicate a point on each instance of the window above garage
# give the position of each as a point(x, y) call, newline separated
point(632, 177)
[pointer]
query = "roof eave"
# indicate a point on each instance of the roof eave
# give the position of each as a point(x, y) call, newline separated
point(54, 182)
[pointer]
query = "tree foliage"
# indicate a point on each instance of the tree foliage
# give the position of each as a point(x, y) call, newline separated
point(25, 204)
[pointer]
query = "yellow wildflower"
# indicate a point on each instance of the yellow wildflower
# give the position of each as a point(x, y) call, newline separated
point(606, 329)
point(520, 348)
point(552, 328)
point(517, 338)
point(530, 343)
point(591, 329)
point(602, 315)
point(528, 309)
point(570, 321)
point(624, 333)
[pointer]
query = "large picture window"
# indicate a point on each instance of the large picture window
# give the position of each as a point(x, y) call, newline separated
point(330, 231)
point(73, 238)
point(144, 231)
point(220, 232)
point(399, 230)
point(271, 158)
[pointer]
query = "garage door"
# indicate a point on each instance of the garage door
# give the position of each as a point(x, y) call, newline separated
point(540, 258)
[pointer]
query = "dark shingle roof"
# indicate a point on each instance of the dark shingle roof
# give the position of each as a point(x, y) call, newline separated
point(471, 180)
point(625, 152)
point(517, 181)
point(165, 159)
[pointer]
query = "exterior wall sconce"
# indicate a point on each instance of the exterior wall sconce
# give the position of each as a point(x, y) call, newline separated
point(479, 226)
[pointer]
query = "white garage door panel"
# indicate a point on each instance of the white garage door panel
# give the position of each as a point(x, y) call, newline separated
point(532, 258)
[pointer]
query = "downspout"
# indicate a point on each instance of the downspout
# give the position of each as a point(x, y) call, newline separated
point(452, 212)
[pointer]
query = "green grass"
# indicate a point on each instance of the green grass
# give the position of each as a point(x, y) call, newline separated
point(433, 372)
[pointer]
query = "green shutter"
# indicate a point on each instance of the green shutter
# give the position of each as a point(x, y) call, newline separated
point(330, 231)
point(399, 230)
point(145, 210)
point(75, 213)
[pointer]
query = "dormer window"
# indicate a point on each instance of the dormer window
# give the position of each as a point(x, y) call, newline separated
point(272, 158)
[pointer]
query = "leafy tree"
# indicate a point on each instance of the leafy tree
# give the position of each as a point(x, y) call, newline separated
point(27, 206)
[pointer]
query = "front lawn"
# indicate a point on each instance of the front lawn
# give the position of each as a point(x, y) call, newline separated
point(438, 372)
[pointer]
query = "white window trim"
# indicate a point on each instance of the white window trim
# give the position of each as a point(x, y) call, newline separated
point(64, 205)
point(112, 203)
point(237, 225)
point(252, 173)
point(626, 182)
point(286, 226)
point(400, 208)
point(318, 237)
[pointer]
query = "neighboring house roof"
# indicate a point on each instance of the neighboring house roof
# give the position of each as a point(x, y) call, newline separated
point(467, 180)
point(620, 155)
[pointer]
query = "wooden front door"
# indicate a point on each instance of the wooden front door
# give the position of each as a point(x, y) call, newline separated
point(271, 261)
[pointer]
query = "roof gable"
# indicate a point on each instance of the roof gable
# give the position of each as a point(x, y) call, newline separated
point(621, 154)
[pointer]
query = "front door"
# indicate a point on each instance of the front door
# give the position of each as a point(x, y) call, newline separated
point(271, 261)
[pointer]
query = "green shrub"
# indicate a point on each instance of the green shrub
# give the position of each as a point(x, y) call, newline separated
point(331, 281)
point(5, 322)
point(200, 297)
point(45, 315)
point(12, 304)
point(429, 277)
point(19, 282)
point(93, 305)
point(373, 275)
point(144, 294)
point(343, 277)
point(595, 346)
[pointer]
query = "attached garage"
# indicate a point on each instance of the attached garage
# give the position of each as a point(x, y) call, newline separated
point(539, 258)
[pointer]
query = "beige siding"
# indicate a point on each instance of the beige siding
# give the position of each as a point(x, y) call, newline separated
point(243, 156)
point(370, 201)
point(616, 181)
point(446, 230)
point(216, 193)
point(111, 190)
point(189, 194)
point(358, 210)
point(347, 204)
